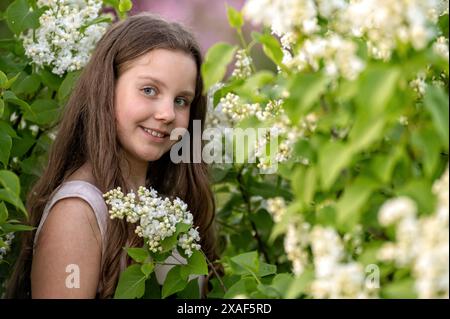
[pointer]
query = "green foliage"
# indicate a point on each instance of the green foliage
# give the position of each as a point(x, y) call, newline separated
point(375, 138)
point(216, 61)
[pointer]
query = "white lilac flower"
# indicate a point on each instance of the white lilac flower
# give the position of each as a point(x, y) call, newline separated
point(333, 277)
point(295, 244)
point(277, 208)
point(385, 23)
point(64, 40)
point(236, 109)
point(34, 129)
point(345, 281)
point(157, 217)
point(338, 55)
point(6, 247)
point(242, 67)
point(13, 117)
point(395, 210)
point(418, 84)
point(440, 47)
point(327, 8)
point(421, 243)
point(283, 15)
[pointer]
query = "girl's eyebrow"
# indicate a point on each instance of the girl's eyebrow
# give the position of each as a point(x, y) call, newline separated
point(160, 83)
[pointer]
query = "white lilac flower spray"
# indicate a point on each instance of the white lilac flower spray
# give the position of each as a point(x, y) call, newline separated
point(161, 222)
point(167, 228)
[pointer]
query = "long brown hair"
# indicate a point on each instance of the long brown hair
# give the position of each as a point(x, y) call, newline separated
point(87, 132)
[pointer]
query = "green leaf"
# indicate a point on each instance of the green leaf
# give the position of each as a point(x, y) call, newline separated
point(10, 97)
point(216, 60)
point(3, 79)
point(101, 19)
point(10, 181)
point(382, 166)
point(152, 288)
point(245, 287)
point(246, 263)
point(147, 268)
point(420, 190)
point(169, 243)
point(266, 269)
point(174, 282)
point(51, 80)
point(191, 291)
point(131, 283)
point(8, 83)
point(43, 112)
point(304, 183)
point(428, 146)
point(350, 204)
point(267, 191)
point(16, 15)
point(28, 85)
point(333, 157)
point(234, 17)
point(196, 265)
point(300, 284)
point(281, 282)
point(5, 147)
point(3, 213)
point(378, 85)
point(182, 228)
point(9, 228)
point(366, 131)
point(271, 47)
point(7, 128)
point(253, 83)
point(269, 291)
point(401, 289)
point(125, 5)
point(436, 102)
point(67, 85)
point(11, 190)
point(32, 19)
point(305, 90)
point(138, 254)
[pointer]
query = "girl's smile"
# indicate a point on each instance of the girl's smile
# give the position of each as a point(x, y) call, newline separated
point(153, 97)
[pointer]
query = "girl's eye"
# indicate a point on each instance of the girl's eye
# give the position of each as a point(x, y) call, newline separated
point(181, 101)
point(149, 91)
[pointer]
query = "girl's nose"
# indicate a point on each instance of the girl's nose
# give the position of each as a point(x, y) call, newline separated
point(165, 111)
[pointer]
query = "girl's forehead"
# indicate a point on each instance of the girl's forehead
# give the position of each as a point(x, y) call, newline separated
point(171, 65)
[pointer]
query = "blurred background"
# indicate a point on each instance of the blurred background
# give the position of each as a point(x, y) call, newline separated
point(207, 19)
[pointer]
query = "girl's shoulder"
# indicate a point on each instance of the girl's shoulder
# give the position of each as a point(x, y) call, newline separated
point(84, 190)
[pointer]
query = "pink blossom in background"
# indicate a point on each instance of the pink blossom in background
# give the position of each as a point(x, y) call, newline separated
point(206, 18)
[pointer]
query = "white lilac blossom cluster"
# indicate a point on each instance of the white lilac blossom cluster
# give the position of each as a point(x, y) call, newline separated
point(242, 67)
point(65, 38)
point(384, 25)
point(339, 55)
point(158, 218)
point(232, 109)
point(335, 275)
point(5, 244)
point(421, 242)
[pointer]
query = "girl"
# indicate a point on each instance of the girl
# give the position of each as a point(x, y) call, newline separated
point(142, 82)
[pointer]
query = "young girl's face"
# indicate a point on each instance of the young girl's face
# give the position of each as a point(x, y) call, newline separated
point(153, 97)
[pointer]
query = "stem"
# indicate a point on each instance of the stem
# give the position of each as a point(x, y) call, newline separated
point(246, 48)
point(215, 272)
point(249, 209)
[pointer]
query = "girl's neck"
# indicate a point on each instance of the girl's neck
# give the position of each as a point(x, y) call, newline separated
point(135, 173)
